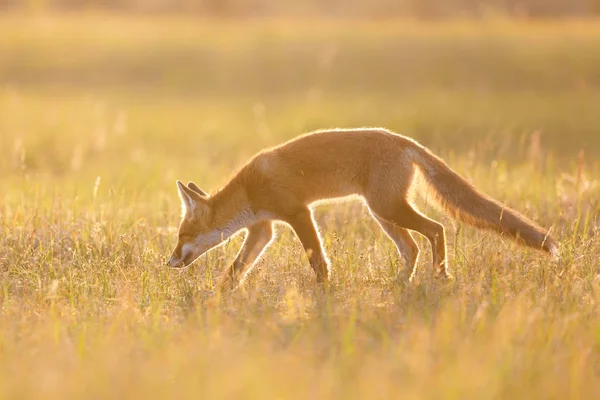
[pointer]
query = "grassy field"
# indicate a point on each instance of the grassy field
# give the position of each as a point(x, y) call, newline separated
point(99, 115)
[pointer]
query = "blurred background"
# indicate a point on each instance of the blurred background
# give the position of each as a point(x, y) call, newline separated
point(332, 8)
point(118, 86)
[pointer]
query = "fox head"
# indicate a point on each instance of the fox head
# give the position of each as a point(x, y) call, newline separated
point(196, 235)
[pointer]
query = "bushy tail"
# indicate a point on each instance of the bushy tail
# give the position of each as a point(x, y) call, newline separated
point(464, 202)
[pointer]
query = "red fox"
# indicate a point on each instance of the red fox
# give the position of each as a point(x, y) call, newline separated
point(375, 164)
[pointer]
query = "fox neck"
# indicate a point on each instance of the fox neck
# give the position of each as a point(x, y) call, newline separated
point(231, 210)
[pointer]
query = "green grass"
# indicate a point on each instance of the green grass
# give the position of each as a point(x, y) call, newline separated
point(100, 115)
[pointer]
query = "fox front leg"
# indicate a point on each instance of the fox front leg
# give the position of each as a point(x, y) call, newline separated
point(259, 236)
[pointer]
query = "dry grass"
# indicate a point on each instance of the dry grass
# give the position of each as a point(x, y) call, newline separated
point(90, 147)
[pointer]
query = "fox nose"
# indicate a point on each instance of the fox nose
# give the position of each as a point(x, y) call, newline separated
point(174, 262)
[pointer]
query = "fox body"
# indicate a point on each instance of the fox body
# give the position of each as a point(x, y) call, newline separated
point(283, 182)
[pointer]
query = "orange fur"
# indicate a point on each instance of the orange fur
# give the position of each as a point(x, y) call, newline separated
point(283, 182)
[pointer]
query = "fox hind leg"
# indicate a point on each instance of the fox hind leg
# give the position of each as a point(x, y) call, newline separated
point(403, 214)
point(405, 243)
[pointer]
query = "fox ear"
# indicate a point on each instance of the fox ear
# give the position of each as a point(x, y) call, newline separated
point(190, 200)
point(195, 188)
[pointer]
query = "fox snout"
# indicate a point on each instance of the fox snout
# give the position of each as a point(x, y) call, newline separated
point(182, 256)
point(175, 262)
point(177, 259)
